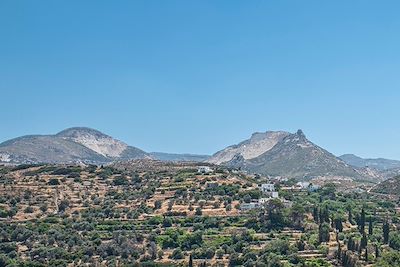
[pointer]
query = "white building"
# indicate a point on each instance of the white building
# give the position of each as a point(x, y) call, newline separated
point(267, 188)
point(303, 185)
point(307, 186)
point(274, 194)
point(204, 169)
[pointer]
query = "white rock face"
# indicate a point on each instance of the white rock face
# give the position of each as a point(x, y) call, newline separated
point(258, 144)
point(101, 143)
point(105, 146)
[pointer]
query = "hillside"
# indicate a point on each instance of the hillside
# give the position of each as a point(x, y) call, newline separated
point(71, 145)
point(258, 144)
point(286, 155)
point(390, 186)
point(50, 149)
point(153, 213)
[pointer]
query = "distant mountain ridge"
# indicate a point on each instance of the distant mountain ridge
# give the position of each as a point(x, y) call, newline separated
point(272, 153)
point(379, 163)
point(78, 144)
point(282, 154)
point(178, 157)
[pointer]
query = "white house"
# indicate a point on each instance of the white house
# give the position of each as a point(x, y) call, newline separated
point(267, 188)
point(204, 169)
point(274, 194)
point(307, 186)
point(303, 185)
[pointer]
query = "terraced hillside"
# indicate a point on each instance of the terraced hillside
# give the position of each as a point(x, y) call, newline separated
point(152, 213)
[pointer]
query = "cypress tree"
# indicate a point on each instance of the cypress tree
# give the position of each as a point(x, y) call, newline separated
point(321, 215)
point(326, 215)
point(376, 251)
point(364, 241)
point(344, 258)
point(350, 216)
point(370, 226)
point(316, 214)
point(386, 231)
point(338, 224)
point(323, 233)
point(366, 254)
point(362, 221)
point(190, 260)
point(350, 244)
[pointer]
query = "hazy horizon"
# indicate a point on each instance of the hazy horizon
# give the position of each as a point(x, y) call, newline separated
point(196, 77)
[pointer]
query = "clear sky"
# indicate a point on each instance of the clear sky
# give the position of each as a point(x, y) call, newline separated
point(196, 76)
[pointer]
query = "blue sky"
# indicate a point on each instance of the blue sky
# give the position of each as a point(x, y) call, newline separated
point(196, 76)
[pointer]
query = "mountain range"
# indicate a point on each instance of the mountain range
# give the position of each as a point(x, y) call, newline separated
point(79, 144)
point(379, 163)
point(272, 153)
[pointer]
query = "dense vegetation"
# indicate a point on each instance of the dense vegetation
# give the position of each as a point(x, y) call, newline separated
point(159, 214)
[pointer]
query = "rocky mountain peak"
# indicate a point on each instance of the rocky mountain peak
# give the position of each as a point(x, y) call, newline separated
point(300, 133)
point(79, 131)
point(95, 140)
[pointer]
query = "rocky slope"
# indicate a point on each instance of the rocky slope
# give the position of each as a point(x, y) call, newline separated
point(258, 144)
point(379, 164)
point(100, 143)
point(286, 155)
point(71, 145)
point(390, 186)
point(386, 174)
